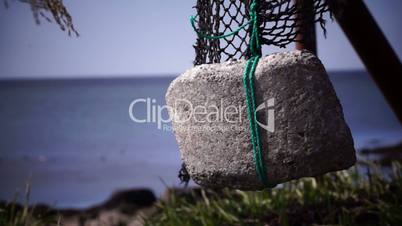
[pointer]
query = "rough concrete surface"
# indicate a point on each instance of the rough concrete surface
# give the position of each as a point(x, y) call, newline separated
point(310, 135)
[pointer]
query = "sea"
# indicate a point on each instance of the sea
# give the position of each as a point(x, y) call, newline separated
point(74, 142)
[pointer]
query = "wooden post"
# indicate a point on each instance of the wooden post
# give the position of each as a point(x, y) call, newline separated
point(373, 48)
point(306, 37)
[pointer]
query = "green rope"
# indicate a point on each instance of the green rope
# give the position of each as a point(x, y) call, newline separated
point(248, 84)
point(202, 35)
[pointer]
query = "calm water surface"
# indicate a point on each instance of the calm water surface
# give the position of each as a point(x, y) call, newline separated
point(75, 142)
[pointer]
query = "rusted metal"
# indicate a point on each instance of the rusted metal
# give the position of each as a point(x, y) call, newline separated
point(373, 48)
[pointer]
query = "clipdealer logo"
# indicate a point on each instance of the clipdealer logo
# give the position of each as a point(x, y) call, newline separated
point(267, 105)
point(162, 115)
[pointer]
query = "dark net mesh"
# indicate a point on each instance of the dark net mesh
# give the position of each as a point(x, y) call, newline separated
point(279, 23)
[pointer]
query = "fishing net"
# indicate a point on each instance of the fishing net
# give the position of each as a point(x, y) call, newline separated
point(279, 23)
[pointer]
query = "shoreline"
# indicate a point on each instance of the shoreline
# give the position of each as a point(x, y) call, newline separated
point(133, 205)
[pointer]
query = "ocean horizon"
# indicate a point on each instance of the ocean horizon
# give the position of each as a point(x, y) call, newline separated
point(74, 141)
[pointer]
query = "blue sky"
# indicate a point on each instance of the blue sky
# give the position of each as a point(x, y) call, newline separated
point(132, 37)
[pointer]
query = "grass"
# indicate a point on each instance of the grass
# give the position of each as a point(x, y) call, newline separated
point(13, 214)
point(341, 198)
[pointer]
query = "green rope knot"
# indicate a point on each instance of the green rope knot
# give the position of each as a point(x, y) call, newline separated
point(248, 84)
